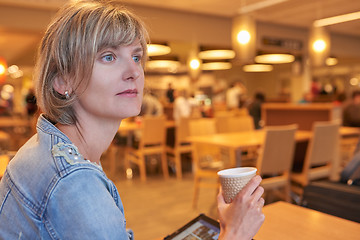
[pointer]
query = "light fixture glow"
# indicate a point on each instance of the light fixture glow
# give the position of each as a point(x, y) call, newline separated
point(243, 37)
point(2, 69)
point(157, 50)
point(331, 61)
point(257, 68)
point(274, 58)
point(259, 5)
point(354, 81)
point(168, 65)
point(13, 69)
point(194, 64)
point(337, 19)
point(217, 54)
point(319, 45)
point(216, 66)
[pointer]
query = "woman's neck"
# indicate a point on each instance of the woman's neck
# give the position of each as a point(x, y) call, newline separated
point(91, 138)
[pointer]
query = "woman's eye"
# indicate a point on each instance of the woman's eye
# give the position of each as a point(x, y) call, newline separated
point(108, 58)
point(136, 58)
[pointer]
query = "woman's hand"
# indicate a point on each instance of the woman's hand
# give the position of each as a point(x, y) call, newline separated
point(242, 218)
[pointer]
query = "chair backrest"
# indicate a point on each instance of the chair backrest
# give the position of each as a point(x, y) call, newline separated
point(204, 154)
point(323, 146)
point(241, 123)
point(234, 124)
point(153, 131)
point(182, 131)
point(277, 152)
point(202, 126)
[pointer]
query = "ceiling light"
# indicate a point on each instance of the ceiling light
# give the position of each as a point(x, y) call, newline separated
point(217, 54)
point(259, 5)
point(257, 68)
point(2, 69)
point(337, 19)
point(169, 65)
point(194, 64)
point(331, 61)
point(319, 45)
point(157, 50)
point(243, 37)
point(274, 58)
point(354, 81)
point(216, 66)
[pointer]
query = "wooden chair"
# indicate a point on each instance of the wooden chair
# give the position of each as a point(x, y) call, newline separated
point(4, 161)
point(152, 141)
point(321, 155)
point(181, 145)
point(206, 158)
point(275, 159)
point(239, 124)
point(234, 124)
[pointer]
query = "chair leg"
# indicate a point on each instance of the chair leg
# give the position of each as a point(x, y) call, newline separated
point(196, 191)
point(164, 165)
point(178, 165)
point(287, 191)
point(142, 168)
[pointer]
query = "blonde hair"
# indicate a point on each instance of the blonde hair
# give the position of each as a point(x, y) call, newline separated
point(77, 33)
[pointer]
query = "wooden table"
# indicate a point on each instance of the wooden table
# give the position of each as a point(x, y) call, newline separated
point(126, 126)
point(349, 132)
point(287, 221)
point(238, 140)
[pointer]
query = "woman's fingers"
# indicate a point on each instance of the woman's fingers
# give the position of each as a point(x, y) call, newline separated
point(252, 185)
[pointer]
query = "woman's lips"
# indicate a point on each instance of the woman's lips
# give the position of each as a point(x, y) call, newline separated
point(128, 93)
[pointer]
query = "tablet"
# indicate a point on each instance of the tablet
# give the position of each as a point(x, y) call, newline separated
point(200, 228)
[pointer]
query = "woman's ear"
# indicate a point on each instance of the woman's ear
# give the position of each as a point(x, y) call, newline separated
point(60, 86)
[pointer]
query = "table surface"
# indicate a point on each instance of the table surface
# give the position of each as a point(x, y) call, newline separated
point(256, 138)
point(242, 139)
point(131, 126)
point(287, 221)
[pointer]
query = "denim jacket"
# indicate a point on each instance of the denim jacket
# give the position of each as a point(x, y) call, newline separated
point(49, 191)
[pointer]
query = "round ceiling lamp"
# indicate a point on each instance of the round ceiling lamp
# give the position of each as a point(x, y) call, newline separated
point(194, 64)
point(157, 50)
point(274, 58)
point(331, 61)
point(243, 37)
point(216, 66)
point(163, 65)
point(217, 54)
point(3, 70)
point(257, 68)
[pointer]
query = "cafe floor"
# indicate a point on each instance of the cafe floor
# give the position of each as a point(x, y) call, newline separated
point(157, 207)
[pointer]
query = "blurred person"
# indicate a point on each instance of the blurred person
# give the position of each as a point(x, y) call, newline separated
point(219, 92)
point(340, 99)
point(170, 93)
point(182, 105)
point(234, 95)
point(151, 105)
point(351, 111)
point(308, 97)
point(88, 77)
point(255, 108)
point(31, 106)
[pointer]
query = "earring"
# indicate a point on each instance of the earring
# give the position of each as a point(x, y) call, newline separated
point(66, 93)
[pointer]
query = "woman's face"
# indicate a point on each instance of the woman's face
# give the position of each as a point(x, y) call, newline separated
point(115, 89)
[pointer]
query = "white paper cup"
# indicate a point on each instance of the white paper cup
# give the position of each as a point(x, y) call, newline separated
point(233, 180)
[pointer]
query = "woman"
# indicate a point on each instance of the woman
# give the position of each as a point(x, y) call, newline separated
point(89, 76)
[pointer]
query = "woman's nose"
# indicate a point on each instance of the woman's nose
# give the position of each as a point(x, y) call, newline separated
point(133, 70)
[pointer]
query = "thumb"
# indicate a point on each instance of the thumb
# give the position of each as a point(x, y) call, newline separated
point(220, 197)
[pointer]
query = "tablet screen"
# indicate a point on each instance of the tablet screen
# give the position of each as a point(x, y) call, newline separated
point(200, 228)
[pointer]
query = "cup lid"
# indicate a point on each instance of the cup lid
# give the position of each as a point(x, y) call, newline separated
point(237, 172)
